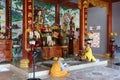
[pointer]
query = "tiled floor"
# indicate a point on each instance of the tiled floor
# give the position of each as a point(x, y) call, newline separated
point(12, 76)
point(110, 72)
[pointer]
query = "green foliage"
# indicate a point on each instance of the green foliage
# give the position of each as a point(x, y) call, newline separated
point(66, 8)
point(43, 4)
point(16, 16)
point(66, 13)
point(15, 26)
point(2, 6)
point(18, 3)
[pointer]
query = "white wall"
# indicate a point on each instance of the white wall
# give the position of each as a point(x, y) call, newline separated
point(97, 16)
point(116, 20)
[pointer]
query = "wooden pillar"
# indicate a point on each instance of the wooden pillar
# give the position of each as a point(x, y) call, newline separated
point(24, 38)
point(8, 19)
point(109, 26)
point(27, 23)
point(57, 11)
point(81, 32)
point(83, 23)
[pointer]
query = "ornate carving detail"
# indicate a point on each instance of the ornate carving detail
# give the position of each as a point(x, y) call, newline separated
point(99, 3)
point(86, 4)
point(79, 3)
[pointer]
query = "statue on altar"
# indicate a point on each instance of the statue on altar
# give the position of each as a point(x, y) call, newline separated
point(39, 20)
point(71, 36)
point(72, 24)
point(59, 69)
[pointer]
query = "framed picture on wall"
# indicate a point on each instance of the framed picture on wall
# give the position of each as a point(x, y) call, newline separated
point(17, 27)
point(96, 40)
point(66, 13)
point(48, 11)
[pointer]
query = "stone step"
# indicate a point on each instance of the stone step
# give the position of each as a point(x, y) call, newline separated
point(45, 73)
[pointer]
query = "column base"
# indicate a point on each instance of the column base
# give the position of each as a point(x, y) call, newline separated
point(24, 63)
point(107, 55)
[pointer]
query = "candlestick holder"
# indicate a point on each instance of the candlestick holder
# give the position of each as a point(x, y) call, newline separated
point(34, 55)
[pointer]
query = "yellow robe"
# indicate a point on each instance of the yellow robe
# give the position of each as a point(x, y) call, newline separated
point(57, 71)
point(88, 55)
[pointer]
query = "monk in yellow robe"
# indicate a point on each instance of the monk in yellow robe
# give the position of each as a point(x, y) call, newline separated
point(58, 69)
point(88, 53)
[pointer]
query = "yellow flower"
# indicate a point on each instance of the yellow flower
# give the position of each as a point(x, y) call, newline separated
point(55, 58)
point(55, 34)
point(111, 33)
point(28, 30)
point(2, 31)
point(88, 32)
point(115, 33)
point(55, 27)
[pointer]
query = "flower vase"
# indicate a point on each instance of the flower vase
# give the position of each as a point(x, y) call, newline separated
point(44, 43)
point(54, 42)
point(32, 44)
point(112, 40)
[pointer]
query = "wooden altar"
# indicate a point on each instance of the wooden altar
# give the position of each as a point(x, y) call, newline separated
point(6, 50)
point(6, 36)
point(54, 51)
